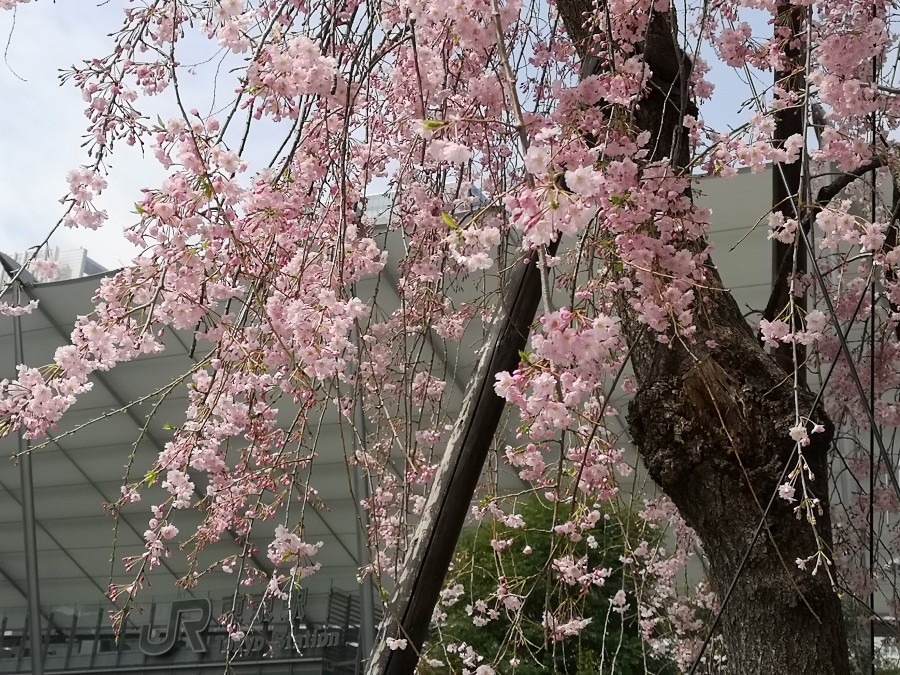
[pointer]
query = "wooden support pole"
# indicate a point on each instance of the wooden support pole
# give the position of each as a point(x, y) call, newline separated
point(434, 541)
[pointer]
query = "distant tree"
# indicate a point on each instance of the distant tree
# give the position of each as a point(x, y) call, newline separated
point(475, 617)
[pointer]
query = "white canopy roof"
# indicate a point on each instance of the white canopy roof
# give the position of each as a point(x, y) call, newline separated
point(76, 474)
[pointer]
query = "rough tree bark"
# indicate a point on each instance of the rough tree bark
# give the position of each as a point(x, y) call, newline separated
point(711, 422)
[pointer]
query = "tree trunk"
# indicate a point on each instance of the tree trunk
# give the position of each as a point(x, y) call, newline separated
point(711, 422)
point(712, 429)
point(787, 193)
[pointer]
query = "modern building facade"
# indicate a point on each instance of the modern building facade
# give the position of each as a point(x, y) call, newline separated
point(71, 263)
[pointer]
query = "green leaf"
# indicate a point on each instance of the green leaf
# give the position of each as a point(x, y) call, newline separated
point(206, 186)
point(450, 221)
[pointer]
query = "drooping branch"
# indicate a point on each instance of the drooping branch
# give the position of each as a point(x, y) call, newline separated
point(890, 240)
point(824, 197)
point(434, 542)
point(828, 192)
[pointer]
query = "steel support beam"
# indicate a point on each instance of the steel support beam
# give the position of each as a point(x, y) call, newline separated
point(28, 522)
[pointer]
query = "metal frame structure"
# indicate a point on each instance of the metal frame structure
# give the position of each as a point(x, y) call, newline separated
point(26, 481)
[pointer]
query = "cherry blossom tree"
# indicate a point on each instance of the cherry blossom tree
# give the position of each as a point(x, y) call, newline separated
point(540, 161)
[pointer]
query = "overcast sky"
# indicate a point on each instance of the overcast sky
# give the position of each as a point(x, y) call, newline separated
point(42, 127)
point(42, 124)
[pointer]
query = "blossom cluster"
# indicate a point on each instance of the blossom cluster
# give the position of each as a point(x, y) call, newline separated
point(494, 145)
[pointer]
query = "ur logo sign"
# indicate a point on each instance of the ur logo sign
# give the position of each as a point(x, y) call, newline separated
point(193, 615)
